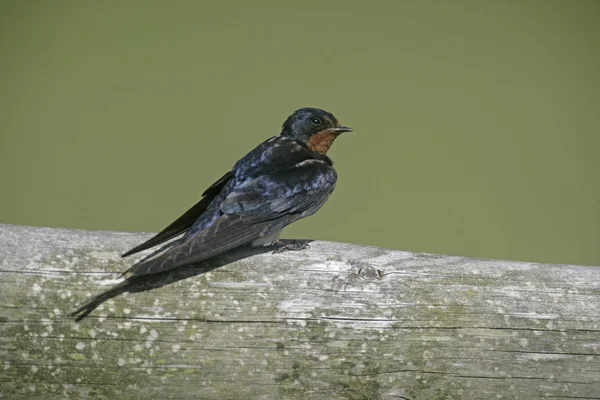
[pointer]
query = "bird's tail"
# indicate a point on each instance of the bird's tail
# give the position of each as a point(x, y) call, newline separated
point(152, 255)
point(93, 302)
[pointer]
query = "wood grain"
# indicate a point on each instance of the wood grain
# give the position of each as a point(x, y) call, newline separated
point(335, 321)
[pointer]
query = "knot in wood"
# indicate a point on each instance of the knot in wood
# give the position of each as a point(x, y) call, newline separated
point(370, 273)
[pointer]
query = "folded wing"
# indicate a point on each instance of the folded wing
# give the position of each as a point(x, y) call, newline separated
point(258, 207)
point(184, 222)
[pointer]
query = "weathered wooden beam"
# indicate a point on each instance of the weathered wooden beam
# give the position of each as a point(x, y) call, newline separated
point(335, 321)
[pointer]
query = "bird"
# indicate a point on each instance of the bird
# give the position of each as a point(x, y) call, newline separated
point(285, 178)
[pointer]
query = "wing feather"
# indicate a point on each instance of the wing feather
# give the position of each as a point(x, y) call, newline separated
point(256, 208)
point(184, 222)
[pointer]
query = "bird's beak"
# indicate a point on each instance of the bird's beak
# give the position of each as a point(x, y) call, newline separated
point(342, 128)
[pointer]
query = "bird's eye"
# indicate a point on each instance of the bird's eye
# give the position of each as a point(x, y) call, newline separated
point(316, 121)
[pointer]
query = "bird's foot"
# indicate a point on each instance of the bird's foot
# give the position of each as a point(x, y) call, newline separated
point(294, 246)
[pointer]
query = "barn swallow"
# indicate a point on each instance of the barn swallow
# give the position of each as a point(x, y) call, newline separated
point(285, 178)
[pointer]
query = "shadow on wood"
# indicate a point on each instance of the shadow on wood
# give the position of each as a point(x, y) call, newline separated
point(154, 281)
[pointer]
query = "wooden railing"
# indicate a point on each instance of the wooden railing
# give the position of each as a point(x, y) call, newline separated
point(335, 321)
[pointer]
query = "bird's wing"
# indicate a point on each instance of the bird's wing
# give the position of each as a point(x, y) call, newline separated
point(256, 208)
point(184, 222)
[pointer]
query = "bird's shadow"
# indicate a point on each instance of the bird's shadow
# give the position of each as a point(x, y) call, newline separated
point(154, 281)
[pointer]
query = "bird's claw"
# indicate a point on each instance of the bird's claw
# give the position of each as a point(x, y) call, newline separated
point(295, 246)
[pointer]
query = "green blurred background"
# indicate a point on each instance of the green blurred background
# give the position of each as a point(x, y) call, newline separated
point(476, 123)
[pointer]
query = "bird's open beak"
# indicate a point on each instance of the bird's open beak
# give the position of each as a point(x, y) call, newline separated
point(342, 128)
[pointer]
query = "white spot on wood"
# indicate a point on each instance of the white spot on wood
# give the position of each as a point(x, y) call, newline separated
point(535, 315)
point(543, 356)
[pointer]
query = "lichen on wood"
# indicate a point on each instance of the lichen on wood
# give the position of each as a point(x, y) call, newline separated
point(335, 321)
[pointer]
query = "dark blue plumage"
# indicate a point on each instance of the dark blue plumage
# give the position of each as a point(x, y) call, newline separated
point(283, 179)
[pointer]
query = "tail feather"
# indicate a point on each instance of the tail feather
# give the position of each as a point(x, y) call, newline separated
point(93, 302)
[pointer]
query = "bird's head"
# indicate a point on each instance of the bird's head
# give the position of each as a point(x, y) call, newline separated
point(314, 127)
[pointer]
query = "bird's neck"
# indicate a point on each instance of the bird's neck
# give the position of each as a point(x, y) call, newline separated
point(322, 141)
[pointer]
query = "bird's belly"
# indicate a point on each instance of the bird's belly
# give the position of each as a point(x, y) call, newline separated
point(267, 240)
